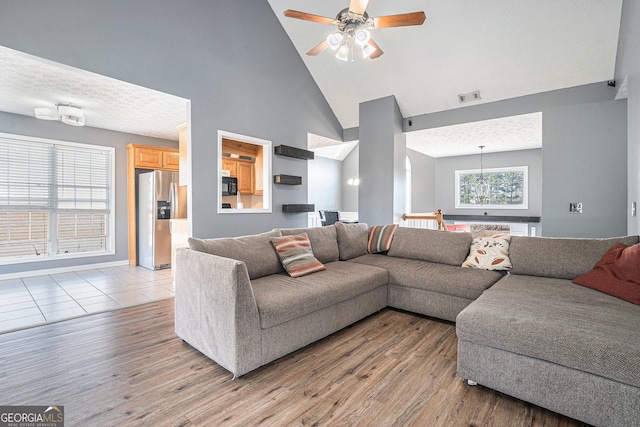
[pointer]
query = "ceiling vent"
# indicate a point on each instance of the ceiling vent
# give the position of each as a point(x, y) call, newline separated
point(468, 97)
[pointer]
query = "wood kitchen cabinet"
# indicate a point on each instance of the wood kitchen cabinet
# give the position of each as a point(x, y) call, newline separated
point(154, 158)
point(246, 177)
point(230, 165)
point(244, 170)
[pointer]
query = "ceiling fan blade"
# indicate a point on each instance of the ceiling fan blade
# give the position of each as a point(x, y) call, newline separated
point(402, 20)
point(358, 6)
point(378, 52)
point(289, 13)
point(319, 48)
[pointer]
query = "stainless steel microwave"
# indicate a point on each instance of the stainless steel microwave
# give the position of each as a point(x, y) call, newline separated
point(229, 186)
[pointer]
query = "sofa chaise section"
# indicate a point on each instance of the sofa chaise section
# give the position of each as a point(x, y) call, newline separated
point(537, 336)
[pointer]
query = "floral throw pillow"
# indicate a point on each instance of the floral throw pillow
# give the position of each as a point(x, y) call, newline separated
point(489, 253)
point(296, 255)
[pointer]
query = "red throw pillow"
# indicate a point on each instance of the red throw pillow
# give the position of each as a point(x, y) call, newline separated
point(617, 273)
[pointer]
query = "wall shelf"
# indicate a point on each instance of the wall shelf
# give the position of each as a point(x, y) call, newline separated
point(296, 153)
point(287, 179)
point(492, 218)
point(298, 208)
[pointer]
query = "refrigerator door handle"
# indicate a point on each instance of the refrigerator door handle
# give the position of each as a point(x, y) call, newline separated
point(173, 199)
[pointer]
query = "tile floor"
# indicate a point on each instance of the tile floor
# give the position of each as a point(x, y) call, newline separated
point(32, 301)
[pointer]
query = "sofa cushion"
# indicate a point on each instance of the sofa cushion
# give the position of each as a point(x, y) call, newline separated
point(256, 251)
point(617, 273)
point(559, 322)
point(558, 257)
point(352, 239)
point(430, 245)
point(296, 255)
point(441, 278)
point(324, 241)
point(489, 252)
point(380, 237)
point(281, 298)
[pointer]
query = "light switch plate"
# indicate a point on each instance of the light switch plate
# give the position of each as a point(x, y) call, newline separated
point(575, 207)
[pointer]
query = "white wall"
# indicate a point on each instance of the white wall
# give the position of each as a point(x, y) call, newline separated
point(325, 183)
point(423, 182)
point(350, 168)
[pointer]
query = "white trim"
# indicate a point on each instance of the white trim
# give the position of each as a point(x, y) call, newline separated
point(47, 271)
point(523, 205)
point(267, 153)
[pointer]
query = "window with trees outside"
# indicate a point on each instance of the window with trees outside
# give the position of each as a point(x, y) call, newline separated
point(56, 199)
point(497, 188)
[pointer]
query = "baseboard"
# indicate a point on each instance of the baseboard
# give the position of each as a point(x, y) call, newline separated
point(68, 269)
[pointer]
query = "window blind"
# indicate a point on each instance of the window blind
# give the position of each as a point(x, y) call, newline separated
point(55, 198)
point(26, 178)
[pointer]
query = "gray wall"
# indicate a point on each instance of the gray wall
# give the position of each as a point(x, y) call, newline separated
point(350, 167)
point(445, 180)
point(23, 125)
point(584, 159)
point(423, 182)
point(571, 103)
point(628, 64)
point(325, 183)
point(381, 162)
point(250, 81)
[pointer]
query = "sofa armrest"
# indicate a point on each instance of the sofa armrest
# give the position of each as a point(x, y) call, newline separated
point(215, 310)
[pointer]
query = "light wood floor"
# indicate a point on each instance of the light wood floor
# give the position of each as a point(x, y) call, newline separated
point(127, 368)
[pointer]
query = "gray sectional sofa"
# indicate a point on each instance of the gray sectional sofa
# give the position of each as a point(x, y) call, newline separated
point(531, 333)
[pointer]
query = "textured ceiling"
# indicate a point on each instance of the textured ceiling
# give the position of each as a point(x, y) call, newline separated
point(27, 82)
point(521, 132)
point(505, 134)
point(504, 48)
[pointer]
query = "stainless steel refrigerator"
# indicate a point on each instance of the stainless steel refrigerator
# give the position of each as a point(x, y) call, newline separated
point(159, 200)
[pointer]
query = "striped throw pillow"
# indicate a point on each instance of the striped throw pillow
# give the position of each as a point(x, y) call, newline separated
point(296, 255)
point(380, 237)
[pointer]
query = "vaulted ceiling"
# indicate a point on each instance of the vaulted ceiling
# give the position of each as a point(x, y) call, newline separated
point(503, 48)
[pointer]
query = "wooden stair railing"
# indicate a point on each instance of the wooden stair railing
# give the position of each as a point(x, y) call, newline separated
point(435, 216)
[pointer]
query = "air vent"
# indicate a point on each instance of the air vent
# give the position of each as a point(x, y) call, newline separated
point(468, 97)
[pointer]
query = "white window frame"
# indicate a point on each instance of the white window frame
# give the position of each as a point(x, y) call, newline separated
point(523, 205)
point(52, 231)
point(267, 152)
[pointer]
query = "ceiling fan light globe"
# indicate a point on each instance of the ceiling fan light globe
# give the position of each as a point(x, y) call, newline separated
point(334, 40)
point(343, 53)
point(367, 50)
point(362, 36)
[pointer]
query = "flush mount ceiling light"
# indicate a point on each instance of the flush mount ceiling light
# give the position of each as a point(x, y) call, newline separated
point(354, 27)
point(66, 113)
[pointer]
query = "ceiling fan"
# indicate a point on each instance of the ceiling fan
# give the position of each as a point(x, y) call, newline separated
point(354, 24)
